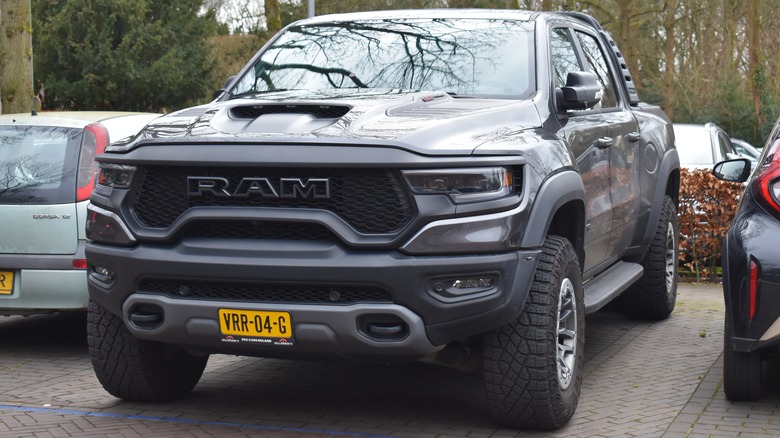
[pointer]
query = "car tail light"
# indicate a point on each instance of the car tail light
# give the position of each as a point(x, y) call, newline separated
point(93, 143)
point(766, 185)
point(753, 292)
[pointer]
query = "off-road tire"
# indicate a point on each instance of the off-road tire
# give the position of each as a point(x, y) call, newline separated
point(135, 369)
point(654, 296)
point(521, 367)
point(741, 371)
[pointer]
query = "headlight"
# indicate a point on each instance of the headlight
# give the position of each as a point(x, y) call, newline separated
point(111, 176)
point(462, 185)
point(104, 226)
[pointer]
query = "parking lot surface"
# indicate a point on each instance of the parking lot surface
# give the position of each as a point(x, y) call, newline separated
point(644, 379)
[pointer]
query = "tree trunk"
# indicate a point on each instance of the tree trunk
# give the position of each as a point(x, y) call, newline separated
point(272, 17)
point(16, 84)
point(755, 70)
point(669, 61)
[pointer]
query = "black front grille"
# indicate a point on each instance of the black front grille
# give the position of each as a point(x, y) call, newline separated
point(317, 111)
point(266, 293)
point(266, 230)
point(372, 201)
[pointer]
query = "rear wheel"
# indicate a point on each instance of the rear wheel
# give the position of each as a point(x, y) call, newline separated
point(741, 371)
point(134, 369)
point(533, 365)
point(654, 296)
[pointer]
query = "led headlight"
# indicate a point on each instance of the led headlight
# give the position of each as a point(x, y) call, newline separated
point(110, 176)
point(462, 185)
point(104, 226)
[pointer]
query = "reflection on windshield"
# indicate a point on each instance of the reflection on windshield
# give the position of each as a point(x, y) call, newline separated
point(464, 57)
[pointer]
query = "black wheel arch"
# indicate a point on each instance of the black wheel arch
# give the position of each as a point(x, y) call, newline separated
point(559, 209)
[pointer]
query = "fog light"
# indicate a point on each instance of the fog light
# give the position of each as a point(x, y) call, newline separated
point(471, 283)
point(450, 290)
point(102, 273)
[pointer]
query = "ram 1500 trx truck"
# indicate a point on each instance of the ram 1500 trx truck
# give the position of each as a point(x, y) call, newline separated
point(453, 186)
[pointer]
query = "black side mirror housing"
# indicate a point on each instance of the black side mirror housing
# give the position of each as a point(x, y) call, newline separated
point(736, 170)
point(218, 93)
point(582, 91)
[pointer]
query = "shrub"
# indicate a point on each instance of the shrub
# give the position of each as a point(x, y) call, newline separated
point(707, 206)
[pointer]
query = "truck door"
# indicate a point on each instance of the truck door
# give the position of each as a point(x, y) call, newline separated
point(623, 152)
point(588, 135)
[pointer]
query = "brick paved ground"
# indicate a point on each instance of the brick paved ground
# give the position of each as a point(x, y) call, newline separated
point(642, 379)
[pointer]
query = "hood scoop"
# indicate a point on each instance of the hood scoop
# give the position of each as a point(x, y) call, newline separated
point(315, 111)
point(297, 119)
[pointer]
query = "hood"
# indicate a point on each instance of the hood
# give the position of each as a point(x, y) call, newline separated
point(431, 123)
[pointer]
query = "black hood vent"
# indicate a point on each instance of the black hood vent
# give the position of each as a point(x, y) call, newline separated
point(316, 111)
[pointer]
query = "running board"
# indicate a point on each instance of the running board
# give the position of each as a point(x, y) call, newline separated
point(609, 284)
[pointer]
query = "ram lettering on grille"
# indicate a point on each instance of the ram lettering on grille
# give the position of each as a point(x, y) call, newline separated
point(313, 188)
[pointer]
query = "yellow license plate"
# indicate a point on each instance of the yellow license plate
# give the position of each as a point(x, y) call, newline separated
point(255, 323)
point(6, 282)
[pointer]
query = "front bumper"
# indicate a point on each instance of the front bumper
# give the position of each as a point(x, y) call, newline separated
point(430, 317)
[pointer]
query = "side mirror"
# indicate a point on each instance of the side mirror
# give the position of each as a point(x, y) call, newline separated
point(582, 91)
point(736, 170)
point(217, 94)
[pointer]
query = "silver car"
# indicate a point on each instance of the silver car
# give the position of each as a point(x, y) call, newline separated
point(46, 176)
point(701, 146)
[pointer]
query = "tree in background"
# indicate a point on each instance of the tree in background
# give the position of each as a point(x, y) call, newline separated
point(144, 55)
point(16, 90)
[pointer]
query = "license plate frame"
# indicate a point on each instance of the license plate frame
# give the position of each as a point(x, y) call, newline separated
point(6, 282)
point(256, 326)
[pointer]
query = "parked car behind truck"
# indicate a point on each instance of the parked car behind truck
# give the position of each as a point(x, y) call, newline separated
point(438, 184)
point(751, 272)
point(46, 176)
point(701, 146)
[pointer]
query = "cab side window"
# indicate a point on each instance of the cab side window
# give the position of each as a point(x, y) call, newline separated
point(597, 64)
point(564, 56)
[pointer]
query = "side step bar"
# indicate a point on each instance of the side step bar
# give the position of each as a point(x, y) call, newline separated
point(609, 284)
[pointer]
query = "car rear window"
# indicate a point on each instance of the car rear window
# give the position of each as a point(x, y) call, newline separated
point(693, 146)
point(38, 164)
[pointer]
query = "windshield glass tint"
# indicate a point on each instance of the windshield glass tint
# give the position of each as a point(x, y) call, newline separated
point(465, 57)
point(38, 164)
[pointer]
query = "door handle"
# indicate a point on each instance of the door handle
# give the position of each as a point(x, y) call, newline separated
point(604, 142)
point(633, 137)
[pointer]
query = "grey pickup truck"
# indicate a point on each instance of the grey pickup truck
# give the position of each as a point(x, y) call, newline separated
point(454, 186)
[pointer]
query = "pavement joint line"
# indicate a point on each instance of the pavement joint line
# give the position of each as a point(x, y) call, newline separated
point(616, 346)
point(700, 393)
point(83, 413)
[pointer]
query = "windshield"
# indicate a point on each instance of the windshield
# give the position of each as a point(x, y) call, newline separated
point(458, 56)
point(38, 164)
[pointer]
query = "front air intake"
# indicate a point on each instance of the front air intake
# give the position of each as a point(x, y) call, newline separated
point(316, 111)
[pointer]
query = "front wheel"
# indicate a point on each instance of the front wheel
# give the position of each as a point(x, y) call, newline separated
point(533, 365)
point(134, 369)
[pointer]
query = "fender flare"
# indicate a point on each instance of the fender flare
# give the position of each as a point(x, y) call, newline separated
point(557, 190)
point(669, 163)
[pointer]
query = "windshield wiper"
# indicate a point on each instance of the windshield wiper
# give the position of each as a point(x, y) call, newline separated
point(254, 93)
